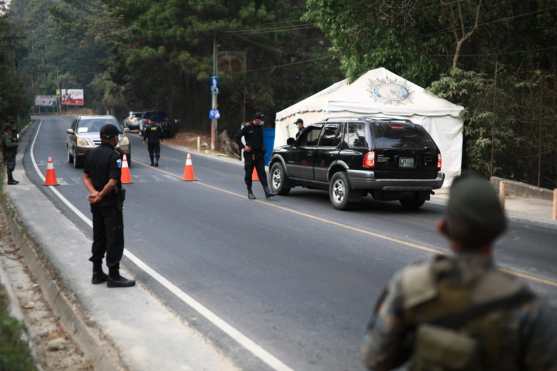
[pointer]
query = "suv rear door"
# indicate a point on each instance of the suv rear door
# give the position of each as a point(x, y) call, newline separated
point(355, 143)
point(403, 150)
point(327, 150)
point(301, 155)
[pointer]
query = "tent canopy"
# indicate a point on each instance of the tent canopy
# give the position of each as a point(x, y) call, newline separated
point(381, 93)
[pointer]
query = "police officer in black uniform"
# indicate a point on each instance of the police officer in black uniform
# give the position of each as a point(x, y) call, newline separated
point(254, 153)
point(152, 135)
point(106, 196)
point(300, 125)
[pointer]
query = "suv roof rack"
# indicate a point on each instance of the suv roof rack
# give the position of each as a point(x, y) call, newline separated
point(364, 118)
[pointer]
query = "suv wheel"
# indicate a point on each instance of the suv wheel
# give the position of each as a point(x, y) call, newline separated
point(340, 192)
point(70, 157)
point(76, 161)
point(412, 203)
point(279, 181)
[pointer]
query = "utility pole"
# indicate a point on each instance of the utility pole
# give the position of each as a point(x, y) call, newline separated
point(214, 94)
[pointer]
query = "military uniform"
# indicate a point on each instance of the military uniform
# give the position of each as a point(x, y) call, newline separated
point(101, 165)
point(9, 152)
point(153, 136)
point(407, 326)
point(255, 158)
point(460, 313)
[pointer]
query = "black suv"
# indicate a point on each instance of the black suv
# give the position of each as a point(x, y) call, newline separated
point(168, 126)
point(391, 159)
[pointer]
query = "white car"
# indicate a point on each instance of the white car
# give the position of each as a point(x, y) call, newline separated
point(84, 135)
point(133, 121)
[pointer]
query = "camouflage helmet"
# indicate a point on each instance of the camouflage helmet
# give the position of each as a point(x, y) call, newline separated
point(474, 216)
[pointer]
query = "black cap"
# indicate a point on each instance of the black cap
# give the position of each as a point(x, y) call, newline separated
point(259, 116)
point(109, 131)
point(475, 215)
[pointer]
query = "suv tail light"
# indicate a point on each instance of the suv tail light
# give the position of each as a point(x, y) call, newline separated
point(439, 161)
point(369, 160)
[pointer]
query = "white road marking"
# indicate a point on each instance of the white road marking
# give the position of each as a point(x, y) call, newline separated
point(235, 334)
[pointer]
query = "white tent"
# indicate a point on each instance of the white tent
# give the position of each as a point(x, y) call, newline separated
point(381, 93)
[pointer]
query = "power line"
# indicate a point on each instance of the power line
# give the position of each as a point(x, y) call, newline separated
point(286, 65)
point(524, 51)
point(301, 26)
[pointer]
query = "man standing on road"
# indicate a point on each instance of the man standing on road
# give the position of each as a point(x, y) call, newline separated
point(153, 136)
point(254, 153)
point(9, 151)
point(300, 125)
point(460, 312)
point(106, 196)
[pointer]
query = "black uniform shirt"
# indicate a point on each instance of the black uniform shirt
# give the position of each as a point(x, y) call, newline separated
point(253, 135)
point(102, 164)
point(153, 134)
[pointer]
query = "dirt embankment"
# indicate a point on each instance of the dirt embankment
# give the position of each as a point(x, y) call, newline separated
point(52, 346)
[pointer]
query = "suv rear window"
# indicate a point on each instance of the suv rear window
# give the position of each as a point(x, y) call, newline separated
point(155, 116)
point(330, 137)
point(402, 135)
point(355, 136)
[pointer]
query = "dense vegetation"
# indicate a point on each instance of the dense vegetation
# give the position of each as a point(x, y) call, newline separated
point(496, 58)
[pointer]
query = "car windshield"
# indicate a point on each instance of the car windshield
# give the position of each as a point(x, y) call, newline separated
point(155, 116)
point(389, 135)
point(95, 125)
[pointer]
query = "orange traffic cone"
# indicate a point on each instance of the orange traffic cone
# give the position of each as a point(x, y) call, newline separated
point(254, 176)
point(126, 176)
point(189, 172)
point(50, 179)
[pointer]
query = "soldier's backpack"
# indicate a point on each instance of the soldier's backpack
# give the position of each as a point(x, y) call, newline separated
point(459, 328)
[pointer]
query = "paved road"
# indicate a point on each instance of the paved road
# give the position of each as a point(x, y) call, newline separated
point(296, 276)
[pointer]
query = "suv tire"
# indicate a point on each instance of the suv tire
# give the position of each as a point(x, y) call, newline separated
point(279, 180)
point(412, 203)
point(70, 157)
point(77, 162)
point(340, 192)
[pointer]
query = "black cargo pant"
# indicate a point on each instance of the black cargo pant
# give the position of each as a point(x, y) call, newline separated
point(108, 234)
point(9, 159)
point(255, 159)
point(154, 151)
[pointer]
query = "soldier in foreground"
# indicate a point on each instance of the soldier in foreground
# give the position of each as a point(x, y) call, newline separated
point(460, 312)
point(9, 151)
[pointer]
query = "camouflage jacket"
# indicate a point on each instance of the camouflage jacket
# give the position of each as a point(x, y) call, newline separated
point(9, 144)
point(530, 340)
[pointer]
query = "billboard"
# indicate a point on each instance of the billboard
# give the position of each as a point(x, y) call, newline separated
point(72, 97)
point(46, 100)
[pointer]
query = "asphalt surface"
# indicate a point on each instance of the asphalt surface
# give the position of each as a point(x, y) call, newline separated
point(294, 275)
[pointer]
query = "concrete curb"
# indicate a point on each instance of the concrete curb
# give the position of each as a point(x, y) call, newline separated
point(116, 329)
point(90, 341)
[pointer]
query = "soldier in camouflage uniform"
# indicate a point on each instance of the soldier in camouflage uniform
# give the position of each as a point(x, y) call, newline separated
point(9, 151)
point(460, 312)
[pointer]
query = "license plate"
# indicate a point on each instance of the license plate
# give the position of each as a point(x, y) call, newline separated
point(406, 162)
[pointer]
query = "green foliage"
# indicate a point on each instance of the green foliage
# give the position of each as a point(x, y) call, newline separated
point(14, 102)
point(14, 353)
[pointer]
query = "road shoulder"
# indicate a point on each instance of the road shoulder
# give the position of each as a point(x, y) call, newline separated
point(117, 329)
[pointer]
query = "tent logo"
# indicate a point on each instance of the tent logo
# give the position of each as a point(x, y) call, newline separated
point(388, 91)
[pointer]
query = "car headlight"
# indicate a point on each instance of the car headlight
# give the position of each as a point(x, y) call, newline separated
point(84, 142)
point(124, 141)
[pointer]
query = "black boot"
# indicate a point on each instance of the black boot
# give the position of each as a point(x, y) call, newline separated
point(251, 196)
point(156, 161)
point(116, 280)
point(11, 180)
point(268, 193)
point(98, 275)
